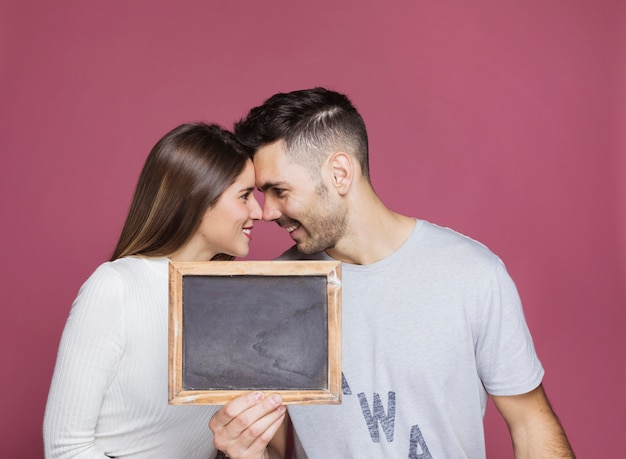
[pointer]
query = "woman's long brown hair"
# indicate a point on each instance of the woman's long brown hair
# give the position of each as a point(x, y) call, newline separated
point(184, 175)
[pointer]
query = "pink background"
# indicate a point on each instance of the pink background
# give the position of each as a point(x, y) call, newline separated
point(502, 119)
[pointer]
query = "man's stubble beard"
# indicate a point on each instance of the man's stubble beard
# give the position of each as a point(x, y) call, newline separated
point(326, 223)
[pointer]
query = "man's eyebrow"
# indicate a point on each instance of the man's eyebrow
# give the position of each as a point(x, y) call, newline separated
point(267, 185)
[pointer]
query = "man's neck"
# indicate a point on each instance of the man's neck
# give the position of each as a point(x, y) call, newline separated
point(374, 232)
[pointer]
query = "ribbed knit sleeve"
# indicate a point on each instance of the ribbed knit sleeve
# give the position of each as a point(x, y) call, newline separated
point(90, 349)
point(108, 396)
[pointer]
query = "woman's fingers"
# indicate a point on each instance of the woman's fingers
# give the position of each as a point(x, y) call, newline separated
point(244, 426)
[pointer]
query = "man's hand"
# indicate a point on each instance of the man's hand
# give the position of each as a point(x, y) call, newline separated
point(245, 426)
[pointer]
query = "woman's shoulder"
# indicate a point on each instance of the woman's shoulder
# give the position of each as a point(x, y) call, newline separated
point(129, 268)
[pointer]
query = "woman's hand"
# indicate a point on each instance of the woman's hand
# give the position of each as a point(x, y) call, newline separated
point(245, 426)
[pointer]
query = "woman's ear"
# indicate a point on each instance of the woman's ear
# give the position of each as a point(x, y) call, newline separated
point(342, 170)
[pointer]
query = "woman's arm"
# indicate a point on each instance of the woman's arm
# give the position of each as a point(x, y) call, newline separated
point(88, 355)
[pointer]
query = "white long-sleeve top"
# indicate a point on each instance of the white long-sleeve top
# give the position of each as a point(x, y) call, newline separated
point(109, 391)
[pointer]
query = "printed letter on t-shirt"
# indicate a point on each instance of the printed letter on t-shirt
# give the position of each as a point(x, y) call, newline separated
point(418, 448)
point(377, 415)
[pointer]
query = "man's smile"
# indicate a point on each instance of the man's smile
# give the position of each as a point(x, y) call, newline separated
point(289, 225)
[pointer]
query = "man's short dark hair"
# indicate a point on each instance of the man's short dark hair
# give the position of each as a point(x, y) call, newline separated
point(311, 122)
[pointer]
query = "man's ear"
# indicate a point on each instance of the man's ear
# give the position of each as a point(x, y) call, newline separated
point(342, 169)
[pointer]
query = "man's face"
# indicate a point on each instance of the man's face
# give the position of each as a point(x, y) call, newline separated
point(299, 200)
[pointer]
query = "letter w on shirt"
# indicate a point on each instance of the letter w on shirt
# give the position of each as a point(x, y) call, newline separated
point(377, 415)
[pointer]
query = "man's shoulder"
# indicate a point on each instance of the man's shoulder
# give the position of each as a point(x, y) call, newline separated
point(456, 248)
point(294, 254)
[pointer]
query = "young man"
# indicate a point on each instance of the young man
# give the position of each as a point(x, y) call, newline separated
point(432, 322)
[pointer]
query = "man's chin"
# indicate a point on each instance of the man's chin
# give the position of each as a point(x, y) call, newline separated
point(302, 247)
point(307, 249)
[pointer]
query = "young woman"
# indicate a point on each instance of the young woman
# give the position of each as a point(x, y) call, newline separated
point(194, 202)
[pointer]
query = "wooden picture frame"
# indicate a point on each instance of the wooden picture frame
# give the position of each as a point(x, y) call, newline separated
point(272, 326)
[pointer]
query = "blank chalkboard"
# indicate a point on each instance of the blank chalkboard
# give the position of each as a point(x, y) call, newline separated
point(273, 326)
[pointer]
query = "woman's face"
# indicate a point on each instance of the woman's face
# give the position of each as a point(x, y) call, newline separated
point(227, 226)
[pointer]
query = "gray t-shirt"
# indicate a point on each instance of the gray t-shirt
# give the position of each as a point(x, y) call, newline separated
point(427, 333)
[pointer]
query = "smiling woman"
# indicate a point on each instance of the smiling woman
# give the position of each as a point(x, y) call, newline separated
point(109, 392)
point(184, 178)
point(226, 227)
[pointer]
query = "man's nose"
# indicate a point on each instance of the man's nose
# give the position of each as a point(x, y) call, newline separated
point(271, 211)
